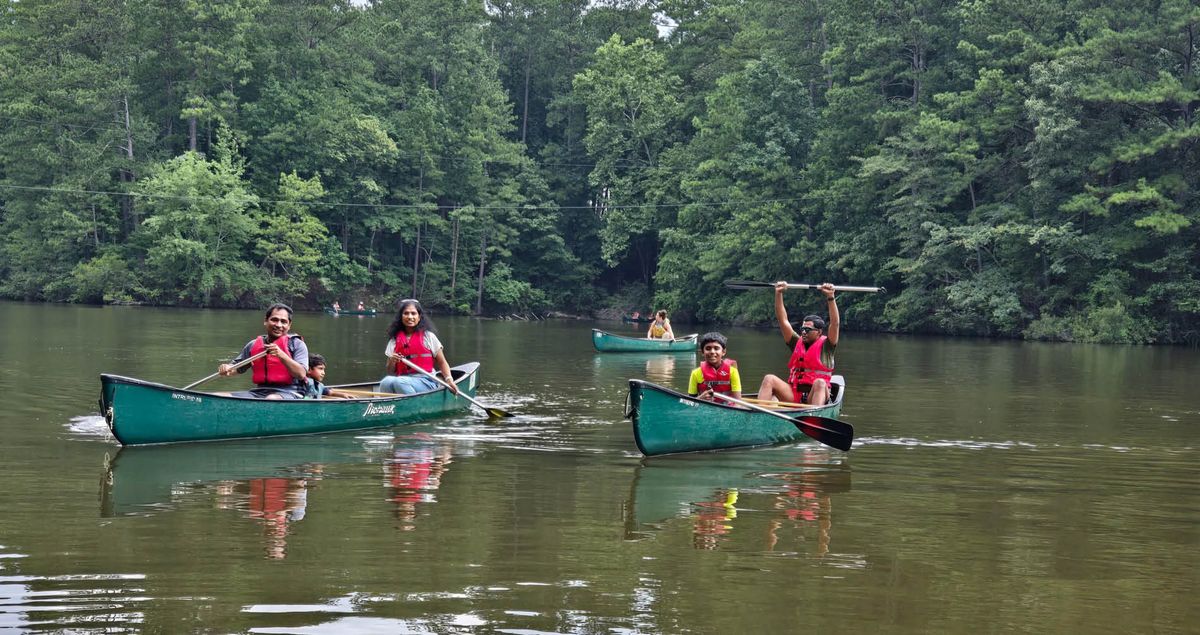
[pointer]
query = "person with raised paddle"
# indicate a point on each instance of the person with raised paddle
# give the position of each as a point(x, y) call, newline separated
point(716, 373)
point(811, 365)
point(281, 358)
point(412, 337)
point(660, 328)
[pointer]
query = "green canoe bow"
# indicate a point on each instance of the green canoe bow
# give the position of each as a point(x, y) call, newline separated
point(667, 422)
point(606, 342)
point(141, 412)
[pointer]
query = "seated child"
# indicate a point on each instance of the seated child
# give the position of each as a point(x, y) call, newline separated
point(716, 373)
point(316, 374)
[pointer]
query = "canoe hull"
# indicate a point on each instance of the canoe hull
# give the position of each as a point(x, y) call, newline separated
point(606, 342)
point(140, 412)
point(669, 422)
point(367, 312)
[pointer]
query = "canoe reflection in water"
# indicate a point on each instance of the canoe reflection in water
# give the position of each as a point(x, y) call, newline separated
point(412, 476)
point(770, 500)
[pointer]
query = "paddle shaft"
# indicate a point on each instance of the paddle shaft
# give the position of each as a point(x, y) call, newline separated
point(234, 367)
point(827, 434)
point(492, 411)
point(749, 284)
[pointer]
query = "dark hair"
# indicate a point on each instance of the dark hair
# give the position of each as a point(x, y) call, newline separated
point(316, 360)
point(275, 307)
point(713, 336)
point(423, 324)
point(662, 313)
point(816, 320)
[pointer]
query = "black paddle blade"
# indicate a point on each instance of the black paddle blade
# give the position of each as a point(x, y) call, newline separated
point(748, 284)
point(831, 432)
point(497, 413)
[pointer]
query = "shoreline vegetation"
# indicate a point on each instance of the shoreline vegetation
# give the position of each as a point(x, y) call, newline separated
point(1020, 171)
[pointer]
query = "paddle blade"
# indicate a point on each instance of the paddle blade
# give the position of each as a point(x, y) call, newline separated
point(497, 413)
point(748, 284)
point(831, 432)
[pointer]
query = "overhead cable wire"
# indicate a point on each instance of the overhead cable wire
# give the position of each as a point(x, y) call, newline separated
point(61, 190)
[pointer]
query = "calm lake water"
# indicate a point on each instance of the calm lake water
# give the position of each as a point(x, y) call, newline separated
point(994, 487)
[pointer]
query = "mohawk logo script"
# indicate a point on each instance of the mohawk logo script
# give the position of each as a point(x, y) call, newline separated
point(374, 409)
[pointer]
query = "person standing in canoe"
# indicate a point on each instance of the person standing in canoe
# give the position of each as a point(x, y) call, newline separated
point(660, 328)
point(810, 368)
point(411, 336)
point(716, 373)
point(280, 374)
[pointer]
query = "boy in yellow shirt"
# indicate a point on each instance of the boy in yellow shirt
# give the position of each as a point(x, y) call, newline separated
point(716, 373)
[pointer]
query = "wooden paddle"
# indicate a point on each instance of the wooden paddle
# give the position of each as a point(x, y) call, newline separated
point(235, 366)
point(367, 393)
point(781, 404)
point(750, 284)
point(491, 410)
point(831, 432)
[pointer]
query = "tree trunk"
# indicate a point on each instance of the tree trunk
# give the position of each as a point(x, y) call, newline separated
point(482, 262)
point(454, 263)
point(525, 114)
point(129, 219)
point(416, 261)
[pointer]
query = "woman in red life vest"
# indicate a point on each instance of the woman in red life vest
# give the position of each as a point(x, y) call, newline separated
point(716, 373)
point(412, 336)
point(280, 374)
point(811, 365)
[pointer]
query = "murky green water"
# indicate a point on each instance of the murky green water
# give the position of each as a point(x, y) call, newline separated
point(995, 486)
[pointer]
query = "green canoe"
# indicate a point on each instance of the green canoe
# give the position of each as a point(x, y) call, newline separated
point(612, 343)
point(666, 422)
point(334, 312)
point(141, 412)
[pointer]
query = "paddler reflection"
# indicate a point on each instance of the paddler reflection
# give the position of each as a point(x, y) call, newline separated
point(412, 475)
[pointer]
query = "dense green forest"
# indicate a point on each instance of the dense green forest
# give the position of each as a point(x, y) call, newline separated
point(1010, 168)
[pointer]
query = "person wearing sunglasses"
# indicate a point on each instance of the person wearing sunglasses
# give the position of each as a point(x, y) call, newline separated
point(281, 372)
point(810, 368)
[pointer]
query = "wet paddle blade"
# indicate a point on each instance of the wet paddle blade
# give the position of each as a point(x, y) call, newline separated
point(831, 432)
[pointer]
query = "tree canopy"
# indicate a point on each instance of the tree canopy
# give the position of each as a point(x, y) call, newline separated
point(1009, 169)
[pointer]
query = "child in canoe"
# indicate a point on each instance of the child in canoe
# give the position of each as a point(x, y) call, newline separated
point(316, 375)
point(716, 373)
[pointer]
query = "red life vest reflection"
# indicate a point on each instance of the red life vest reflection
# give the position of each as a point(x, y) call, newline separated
point(413, 475)
point(276, 502)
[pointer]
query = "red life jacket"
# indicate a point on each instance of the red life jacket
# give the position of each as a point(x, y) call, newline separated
point(413, 348)
point(716, 379)
point(270, 370)
point(805, 366)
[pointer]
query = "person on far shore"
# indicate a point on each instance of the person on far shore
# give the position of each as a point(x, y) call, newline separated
point(280, 374)
point(412, 336)
point(660, 328)
point(716, 373)
point(810, 368)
